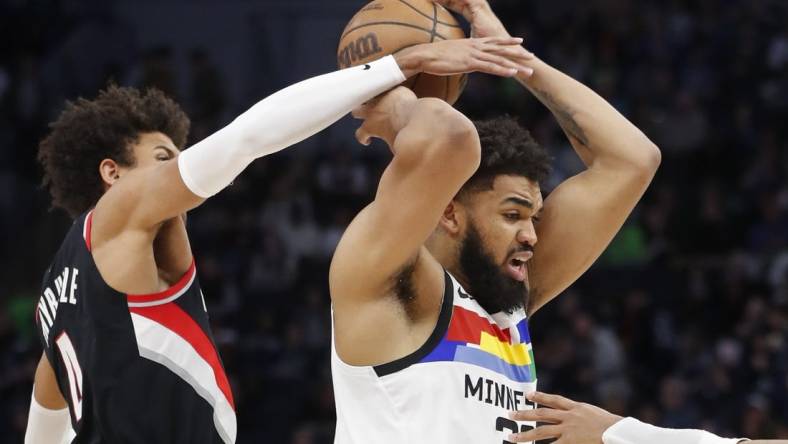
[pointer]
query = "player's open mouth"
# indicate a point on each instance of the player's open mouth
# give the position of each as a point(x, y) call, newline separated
point(516, 268)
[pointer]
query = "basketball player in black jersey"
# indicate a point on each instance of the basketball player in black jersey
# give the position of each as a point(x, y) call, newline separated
point(435, 210)
point(127, 345)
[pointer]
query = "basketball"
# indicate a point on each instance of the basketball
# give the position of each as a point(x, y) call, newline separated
point(387, 26)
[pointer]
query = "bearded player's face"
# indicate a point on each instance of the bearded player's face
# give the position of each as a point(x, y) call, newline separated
point(499, 238)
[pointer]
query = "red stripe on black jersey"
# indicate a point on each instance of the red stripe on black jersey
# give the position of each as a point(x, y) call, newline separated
point(179, 322)
point(88, 226)
point(178, 287)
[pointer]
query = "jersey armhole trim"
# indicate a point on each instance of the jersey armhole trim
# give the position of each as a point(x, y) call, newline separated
point(86, 228)
point(438, 333)
point(166, 296)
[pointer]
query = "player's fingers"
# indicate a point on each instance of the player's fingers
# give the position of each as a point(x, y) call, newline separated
point(502, 40)
point(513, 55)
point(453, 5)
point(554, 401)
point(497, 59)
point(503, 62)
point(538, 414)
point(362, 111)
point(359, 112)
point(514, 52)
point(363, 136)
point(492, 68)
point(539, 433)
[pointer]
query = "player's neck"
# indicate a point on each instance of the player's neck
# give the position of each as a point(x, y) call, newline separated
point(447, 253)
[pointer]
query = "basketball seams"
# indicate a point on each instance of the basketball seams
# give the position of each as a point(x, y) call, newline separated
point(434, 22)
point(432, 39)
point(420, 12)
point(402, 29)
point(391, 23)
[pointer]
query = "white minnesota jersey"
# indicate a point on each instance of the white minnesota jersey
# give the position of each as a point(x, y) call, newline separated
point(457, 388)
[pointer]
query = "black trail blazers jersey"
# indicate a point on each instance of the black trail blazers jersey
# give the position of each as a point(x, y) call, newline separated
point(133, 368)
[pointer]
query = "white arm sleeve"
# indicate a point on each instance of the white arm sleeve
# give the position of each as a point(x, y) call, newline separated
point(632, 431)
point(282, 119)
point(45, 426)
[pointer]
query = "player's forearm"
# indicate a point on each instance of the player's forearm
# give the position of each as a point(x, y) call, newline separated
point(46, 426)
point(282, 119)
point(632, 431)
point(597, 130)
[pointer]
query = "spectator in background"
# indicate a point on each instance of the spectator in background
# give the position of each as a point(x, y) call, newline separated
point(207, 96)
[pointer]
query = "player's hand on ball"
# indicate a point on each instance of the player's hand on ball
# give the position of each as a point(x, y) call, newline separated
point(484, 22)
point(501, 56)
point(568, 421)
point(385, 115)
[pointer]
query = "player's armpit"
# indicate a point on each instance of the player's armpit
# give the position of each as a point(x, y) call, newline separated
point(580, 218)
point(436, 151)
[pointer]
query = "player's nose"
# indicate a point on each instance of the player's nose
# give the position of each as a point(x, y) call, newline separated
point(527, 235)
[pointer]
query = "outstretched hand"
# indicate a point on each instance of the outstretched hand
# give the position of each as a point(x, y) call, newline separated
point(569, 421)
point(501, 56)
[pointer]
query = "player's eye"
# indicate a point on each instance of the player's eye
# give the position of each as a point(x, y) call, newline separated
point(512, 216)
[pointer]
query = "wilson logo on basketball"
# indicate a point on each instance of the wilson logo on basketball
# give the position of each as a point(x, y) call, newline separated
point(360, 49)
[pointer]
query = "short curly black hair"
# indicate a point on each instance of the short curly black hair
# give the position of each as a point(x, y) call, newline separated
point(89, 131)
point(507, 149)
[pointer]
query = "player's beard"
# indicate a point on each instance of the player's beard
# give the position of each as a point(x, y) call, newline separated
point(493, 289)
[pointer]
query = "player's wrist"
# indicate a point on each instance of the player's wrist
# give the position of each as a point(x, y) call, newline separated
point(484, 22)
point(412, 60)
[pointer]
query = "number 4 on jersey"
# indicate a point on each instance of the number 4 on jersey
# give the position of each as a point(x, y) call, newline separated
point(74, 371)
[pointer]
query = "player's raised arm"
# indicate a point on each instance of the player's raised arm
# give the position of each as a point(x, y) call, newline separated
point(146, 197)
point(582, 215)
point(436, 149)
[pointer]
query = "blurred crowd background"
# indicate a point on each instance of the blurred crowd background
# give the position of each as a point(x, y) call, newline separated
point(684, 320)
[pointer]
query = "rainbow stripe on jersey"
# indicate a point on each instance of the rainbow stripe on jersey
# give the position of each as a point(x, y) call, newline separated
point(476, 340)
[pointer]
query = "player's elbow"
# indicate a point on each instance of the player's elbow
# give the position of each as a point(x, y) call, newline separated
point(455, 140)
point(649, 158)
point(466, 148)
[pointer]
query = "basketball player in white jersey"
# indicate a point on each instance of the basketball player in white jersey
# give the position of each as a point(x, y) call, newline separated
point(432, 283)
point(574, 422)
point(128, 352)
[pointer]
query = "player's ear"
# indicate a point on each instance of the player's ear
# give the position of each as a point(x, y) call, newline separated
point(109, 171)
point(452, 218)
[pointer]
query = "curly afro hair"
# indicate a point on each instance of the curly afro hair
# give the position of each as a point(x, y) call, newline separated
point(507, 149)
point(89, 131)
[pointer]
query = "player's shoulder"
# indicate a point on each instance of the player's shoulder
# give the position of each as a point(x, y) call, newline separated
point(77, 237)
